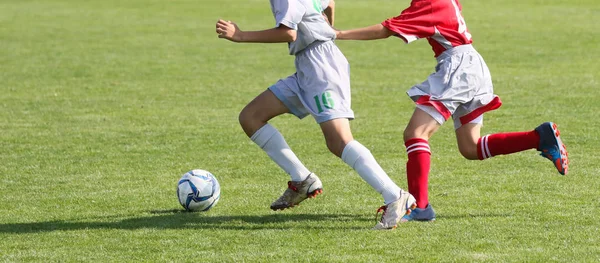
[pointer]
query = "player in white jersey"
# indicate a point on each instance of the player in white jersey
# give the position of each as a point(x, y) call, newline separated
point(320, 87)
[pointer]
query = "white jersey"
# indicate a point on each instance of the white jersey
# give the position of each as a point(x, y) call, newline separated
point(304, 16)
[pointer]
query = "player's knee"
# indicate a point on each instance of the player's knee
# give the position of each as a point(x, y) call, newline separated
point(468, 151)
point(245, 117)
point(250, 120)
point(411, 134)
point(335, 146)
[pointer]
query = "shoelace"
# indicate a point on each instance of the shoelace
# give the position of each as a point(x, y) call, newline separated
point(380, 209)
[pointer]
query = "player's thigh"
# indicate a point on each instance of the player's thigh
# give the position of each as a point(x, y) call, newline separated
point(467, 136)
point(421, 125)
point(337, 134)
point(263, 108)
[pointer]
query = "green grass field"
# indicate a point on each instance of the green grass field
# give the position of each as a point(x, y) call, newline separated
point(105, 104)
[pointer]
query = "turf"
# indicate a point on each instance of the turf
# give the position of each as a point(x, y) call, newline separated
point(105, 104)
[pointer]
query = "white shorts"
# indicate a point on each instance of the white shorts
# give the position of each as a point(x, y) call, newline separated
point(461, 87)
point(321, 85)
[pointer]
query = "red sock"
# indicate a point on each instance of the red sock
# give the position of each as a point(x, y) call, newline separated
point(506, 143)
point(417, 169)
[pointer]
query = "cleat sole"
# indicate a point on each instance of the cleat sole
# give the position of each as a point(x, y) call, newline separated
point(310, 195)
point(314, 193)
point(562, 165)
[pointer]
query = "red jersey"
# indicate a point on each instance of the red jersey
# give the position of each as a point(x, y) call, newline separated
point(440, 21)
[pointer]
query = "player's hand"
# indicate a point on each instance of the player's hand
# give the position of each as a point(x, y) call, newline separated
point(228, 30)
point(337, 33)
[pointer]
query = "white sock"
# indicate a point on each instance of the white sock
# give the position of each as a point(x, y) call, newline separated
point(273, 143)
point(360, 158)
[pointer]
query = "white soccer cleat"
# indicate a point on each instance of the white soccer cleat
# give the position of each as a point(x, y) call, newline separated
point(393, 212)
point(298, 191)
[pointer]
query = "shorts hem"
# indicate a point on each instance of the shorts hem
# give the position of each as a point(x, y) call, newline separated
point(294, 110)
point(321, 119)
point(492, 105)
point(435, 114)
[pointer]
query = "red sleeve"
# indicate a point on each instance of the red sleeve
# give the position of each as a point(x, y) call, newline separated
point(414, 22)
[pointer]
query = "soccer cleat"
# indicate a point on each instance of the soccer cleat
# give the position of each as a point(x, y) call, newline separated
point(298, 191)
point(393, 212)
point(420, 214)
point(551, 146)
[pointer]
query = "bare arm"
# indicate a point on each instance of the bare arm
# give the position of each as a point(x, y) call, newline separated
point(330, 12)
point(377, 31)
point(231, 32)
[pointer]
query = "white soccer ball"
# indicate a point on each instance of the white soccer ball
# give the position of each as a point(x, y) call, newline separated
point(198, 190)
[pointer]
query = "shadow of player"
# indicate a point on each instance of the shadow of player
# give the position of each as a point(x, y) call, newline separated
point(179, 219)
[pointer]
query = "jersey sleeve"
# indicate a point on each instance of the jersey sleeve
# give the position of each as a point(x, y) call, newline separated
point(324, 4)
point(417, 21)
point(287, 12)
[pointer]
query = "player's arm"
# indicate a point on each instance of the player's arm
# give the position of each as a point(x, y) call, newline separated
point(230, 31)
point(329, 12)
point(377, 31)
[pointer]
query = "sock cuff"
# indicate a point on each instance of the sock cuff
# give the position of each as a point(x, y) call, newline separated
point(351, 152)
point(536, 135)
point(483, 151)
point(417, 145)
point(262, 135)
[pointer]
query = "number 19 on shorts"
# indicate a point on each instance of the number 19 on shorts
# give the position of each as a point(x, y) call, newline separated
point(324, 100)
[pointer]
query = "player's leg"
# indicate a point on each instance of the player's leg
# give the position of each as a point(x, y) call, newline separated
point(544, 138)
point(467, 137)
point(424, 122)
point(337, 135)
point(259, 111)
point(324, 76)
point(474, 148)
point(254, 120)
point(340, 142)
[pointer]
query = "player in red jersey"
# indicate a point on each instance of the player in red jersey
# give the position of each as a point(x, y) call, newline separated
point(461, 88)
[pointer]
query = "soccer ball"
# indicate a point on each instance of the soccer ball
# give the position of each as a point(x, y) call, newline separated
point(198, 190)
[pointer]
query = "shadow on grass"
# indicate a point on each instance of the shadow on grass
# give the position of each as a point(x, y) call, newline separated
point(463, 216)
point(179, 219)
